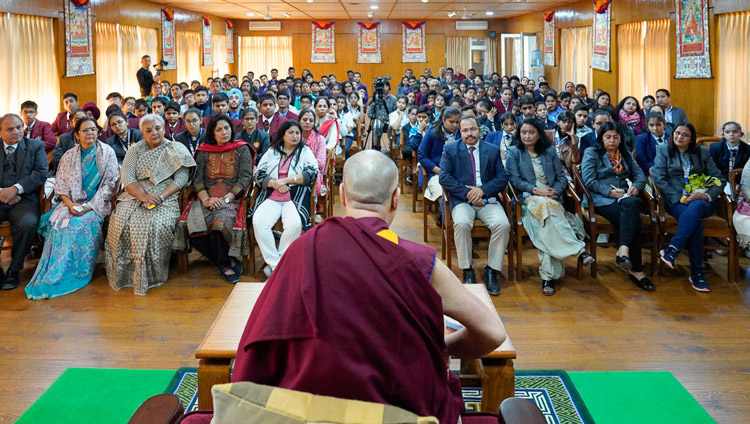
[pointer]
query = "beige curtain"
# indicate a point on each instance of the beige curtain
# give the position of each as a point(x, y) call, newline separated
point(733, 80)
point(28, 52)
point(261, 54)
point(109, 76)
point(491, 60)
point(130, 60)
point(630, 80)
point(188, 56)
point(510, 56)
point(575, 55)
point(656, 56)
point(220, 55)
point(149, 43)
point(458, 52)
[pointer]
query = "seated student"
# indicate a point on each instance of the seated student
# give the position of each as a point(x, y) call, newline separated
point(675, 162)
point(668, 127)
point(614, 180)
point(128, 107)
point(647, 142)
point(283, 108)
point(189, 97)
point(35, 128)
point(122, 137)
point(202, 102)
point(398, 118)
point(628, 112)
point(157, 106)
point(431, 149)
point(65, 143)
point(285, 174)
point(672, 114)
point(257, 140)
point(542, 114)
point(411, 113)
point(586, 135)
point(405, 284)
point(647, 101)
point(23, 170)
point(61, 124)
point(541, 93)
point(92, 111)
point(155, 94)
point(537, 175)
point(504, 103)
point(234, 99)
point(731, 152)
point(504, 138)
point(574, 101)
point(220, 106)
point(550, 100)
point(270, 121)
point(471, 171)
point(565, 99)
point(488, 116)
point(73, 230)
point(583, 95)
point(565, 140)
point(417, 132)
point(194, 133)
point(141, 109)
point(528, 109)
point(224, 170)
point(174, 124)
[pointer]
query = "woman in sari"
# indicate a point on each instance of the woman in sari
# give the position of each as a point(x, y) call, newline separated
point(214, 223)
point(73, 230)
point(142, 228)
point(326, 121)
point(537, 176)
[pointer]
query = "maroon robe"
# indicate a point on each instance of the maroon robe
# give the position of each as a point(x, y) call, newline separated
point(350, 314)
point(43, 131)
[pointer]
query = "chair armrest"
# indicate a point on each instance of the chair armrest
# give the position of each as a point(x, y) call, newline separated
point(659, 201)
point(578, 180)
point(517, 209)
point(448, 218)
point(576, 199)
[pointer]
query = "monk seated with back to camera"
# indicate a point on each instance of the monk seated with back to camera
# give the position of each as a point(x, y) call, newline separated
point(356, 312)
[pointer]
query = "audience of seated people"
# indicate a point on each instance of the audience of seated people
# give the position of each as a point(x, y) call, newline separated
point(520, 123)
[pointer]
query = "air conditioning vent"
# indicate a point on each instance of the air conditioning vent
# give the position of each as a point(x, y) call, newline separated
point(471, 25)
point(264, 25)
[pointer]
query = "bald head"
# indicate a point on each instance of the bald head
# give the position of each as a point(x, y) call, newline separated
point(370, 178)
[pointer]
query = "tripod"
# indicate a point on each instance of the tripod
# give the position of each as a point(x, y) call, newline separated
point(378, 121)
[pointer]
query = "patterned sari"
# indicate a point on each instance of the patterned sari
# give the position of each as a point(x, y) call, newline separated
point(72, 242)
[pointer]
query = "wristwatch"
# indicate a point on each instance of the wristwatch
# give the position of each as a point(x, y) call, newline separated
point(226, 200)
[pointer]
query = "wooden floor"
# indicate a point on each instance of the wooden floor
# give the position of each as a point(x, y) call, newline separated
point(589, 325)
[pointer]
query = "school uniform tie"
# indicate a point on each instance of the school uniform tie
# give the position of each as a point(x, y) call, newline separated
point(732, 157)
point(28, 132)
point(473, 166)
point(267, 125)
point(659, 141)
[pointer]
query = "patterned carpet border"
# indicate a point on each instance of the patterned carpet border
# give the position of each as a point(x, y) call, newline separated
point(551, 390)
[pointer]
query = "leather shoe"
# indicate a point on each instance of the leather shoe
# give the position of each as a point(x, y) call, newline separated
point(623, 262)
point(548, 287)
point(11, 281)
point(490, 280)
point(469, 276)
point(644, 283)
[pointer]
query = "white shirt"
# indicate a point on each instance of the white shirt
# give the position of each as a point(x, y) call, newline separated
point(19, 187)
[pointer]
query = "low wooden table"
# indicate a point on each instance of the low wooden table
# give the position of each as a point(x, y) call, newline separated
point(219, 347)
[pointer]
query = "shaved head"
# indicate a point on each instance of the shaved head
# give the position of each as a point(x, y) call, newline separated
point(370, 178)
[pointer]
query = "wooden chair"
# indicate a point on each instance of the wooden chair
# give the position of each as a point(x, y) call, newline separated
point(735, 176)
point(707, 141)
point(595, 224)
point(478, 231)
point(519, 232)
point(718, 225)
point(45, 204)
point(415, 182)
point(251, 265)
point(429, 208)
point(357, 145)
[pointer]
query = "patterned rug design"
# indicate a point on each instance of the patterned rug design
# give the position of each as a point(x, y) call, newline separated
point(551, 390)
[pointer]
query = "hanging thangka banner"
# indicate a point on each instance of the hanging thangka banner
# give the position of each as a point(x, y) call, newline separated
point(368, 42)
point(167, 38)
point(693, 60)
point(323, 43)
point(600, 57)
point(413, 42)
point(208, 53)
point(549, 38)
point(230, 42)
point(79, 54)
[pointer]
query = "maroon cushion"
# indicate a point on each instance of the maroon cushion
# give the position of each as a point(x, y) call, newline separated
point(197, 417)
point(478, 418)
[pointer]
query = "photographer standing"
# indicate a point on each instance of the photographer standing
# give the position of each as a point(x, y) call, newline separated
point(145, 79)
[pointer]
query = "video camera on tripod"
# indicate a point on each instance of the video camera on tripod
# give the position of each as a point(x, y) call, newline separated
point(378, 112)
point(379, 87)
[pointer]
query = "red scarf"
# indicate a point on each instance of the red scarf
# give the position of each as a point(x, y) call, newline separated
point(216, 148)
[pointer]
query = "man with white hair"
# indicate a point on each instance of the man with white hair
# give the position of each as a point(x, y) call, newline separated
point(354, 311)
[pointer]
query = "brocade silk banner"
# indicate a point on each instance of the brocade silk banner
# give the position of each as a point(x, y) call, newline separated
point(413, 42)
point(549, 40)
point(230, 42)
point(208, 52)
point(693, 58)
point(368, 43)
point(323, 42)
point(79, 54)
point(601, 42)
point(168, 38)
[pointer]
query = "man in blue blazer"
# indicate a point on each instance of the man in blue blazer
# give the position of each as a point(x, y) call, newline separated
point(472, 174)
point(23, 170)
point(646, 142)
point(672, 114)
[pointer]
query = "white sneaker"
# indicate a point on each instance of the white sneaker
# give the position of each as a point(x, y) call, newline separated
point(602, 239)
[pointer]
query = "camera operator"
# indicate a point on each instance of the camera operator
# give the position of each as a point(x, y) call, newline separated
point(145, 79)
point(381, 105)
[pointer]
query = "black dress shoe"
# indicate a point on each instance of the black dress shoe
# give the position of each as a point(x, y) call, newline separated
point(439, 220)
point(469, 276)
point(490, 280)
point(11, 281)
point(643, 283)
point(623, 262)
point(548, 287)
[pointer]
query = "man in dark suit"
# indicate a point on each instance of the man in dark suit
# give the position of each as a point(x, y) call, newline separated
point(472, 173)
point(173, 122)
point(122, 137)
point(647, 142)
point(24, 170)
point(65, 143)
point(35, 128)
point(61, 125)
point(269, 121)
point(672, 114)
point(193, 136)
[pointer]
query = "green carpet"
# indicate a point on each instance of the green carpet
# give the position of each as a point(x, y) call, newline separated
point(637, 397)
point(88, 395)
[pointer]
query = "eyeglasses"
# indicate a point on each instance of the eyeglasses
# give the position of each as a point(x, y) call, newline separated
point(90, 130)
point(469, 130)
point(192, 121)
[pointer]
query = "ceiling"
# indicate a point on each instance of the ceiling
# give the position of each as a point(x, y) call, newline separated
point(359, 9)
